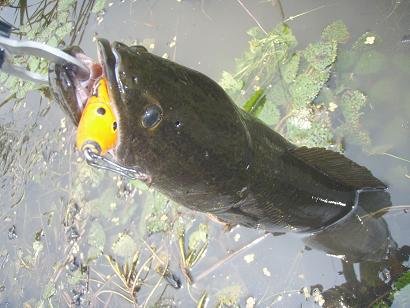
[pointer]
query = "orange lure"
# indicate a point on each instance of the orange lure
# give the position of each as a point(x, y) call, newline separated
point(97, 129)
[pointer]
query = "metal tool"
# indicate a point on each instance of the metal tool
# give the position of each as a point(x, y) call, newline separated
point(10, 47)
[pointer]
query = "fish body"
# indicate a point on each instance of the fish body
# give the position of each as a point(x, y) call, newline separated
point(207, 154)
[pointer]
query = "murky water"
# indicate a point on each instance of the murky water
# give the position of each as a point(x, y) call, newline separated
point(50, 202)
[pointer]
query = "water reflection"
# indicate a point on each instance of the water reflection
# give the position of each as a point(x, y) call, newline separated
point(371, 259)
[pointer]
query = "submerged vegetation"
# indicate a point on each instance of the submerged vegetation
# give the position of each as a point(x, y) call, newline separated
point(306, 94)
point(49, 22)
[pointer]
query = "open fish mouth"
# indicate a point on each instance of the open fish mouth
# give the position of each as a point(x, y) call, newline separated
point(72, 89)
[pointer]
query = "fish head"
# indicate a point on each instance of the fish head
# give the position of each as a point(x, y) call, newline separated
point(173, 121)
point(176, 124)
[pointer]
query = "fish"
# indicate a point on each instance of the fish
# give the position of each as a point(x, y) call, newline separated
point(204, 152)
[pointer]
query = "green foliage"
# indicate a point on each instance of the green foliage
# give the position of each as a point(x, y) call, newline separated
point(229, 296)
point(124, 246)
point(399, 295)
point(50, 28)
point(351, 104)
point(198, 238)
point(337, 31)
point(402, 281)
point(157, 220)
point(98, 6)
point(306, 87)
point(312, 129)
point(290, 68)
point(367, 41)
point(321, 55)
point(255, 104)
point(289, 88)
point(231, 85)
point(370, 62)
point(96, 239)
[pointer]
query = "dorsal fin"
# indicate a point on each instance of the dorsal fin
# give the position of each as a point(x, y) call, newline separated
point(337, 167)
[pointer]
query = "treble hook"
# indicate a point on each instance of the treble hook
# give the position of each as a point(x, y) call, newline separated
point(95, 160)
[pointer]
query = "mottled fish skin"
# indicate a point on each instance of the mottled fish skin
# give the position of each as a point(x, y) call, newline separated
point(209, 155)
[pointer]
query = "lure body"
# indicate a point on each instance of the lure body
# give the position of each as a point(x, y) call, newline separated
point(97, 128)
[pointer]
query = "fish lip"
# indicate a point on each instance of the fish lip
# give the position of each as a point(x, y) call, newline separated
point(109, 58)
point(71, 88)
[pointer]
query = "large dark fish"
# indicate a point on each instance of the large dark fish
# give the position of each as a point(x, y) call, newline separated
point(204, 152)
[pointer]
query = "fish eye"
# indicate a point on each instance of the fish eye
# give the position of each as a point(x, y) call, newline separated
point(152, 116)
point(114, 125)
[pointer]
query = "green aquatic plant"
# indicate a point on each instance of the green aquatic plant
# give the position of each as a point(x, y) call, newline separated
point(294, 95)
point(195, 250)
point(399, 295)
point(54, 22)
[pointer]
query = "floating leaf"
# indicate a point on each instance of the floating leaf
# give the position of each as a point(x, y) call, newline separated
point(230, 84)
point(346, 60)
point(306, 87)
point(290, 69)
point(351, 103)
point(321, 55)
point(367, 41)
point(286, 35)
point(336, 31)
point(93, 253)
point(65, 4)
point(370, 62)
point(197, 245)
point(278, 94)
point(198, 238)
point(98, 6)
point(270, 114)
point(229, 296)
point(157, 220)
point(124, 246)
point(96, 236)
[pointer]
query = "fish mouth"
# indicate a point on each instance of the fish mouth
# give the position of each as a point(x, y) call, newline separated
point(72, 89)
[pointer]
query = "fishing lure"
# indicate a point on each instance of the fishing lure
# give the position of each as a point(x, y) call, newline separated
point(97, 133)
point(97, 129)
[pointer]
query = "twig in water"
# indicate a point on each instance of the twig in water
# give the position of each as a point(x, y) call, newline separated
point(250, 14)
point(304, 13)
point(397, 157)
point(230, 256)
point(156, 285)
